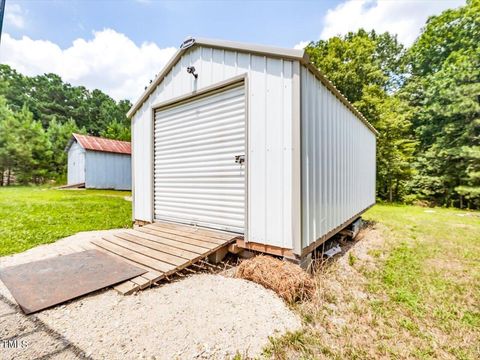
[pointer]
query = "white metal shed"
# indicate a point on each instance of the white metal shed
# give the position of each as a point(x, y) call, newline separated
point(254, 140)
point(99, 163)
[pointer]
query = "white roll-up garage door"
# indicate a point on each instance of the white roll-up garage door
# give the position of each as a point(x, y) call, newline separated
point(197, 178)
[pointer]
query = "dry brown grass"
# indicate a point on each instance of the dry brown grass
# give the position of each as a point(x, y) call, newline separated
point(288, 280)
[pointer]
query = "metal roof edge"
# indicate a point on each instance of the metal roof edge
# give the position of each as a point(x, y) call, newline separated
point(293, 54)
point(319, 75)
point(75, 138)
point(285, 53)
point(158, 79)
point(70, 142)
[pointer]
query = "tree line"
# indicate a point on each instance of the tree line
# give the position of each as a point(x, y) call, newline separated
point(37, 118)
point(424, 100)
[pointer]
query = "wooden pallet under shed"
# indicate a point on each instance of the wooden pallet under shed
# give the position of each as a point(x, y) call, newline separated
point(163, 249)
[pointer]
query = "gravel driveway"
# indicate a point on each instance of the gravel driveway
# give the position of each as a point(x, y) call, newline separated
point(203, 316)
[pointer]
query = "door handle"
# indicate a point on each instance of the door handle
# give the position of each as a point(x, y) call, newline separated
point(239, 159)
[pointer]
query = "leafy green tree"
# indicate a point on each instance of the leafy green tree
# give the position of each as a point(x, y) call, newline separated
point(59, 136)
point(24, 147)
point(10, 146)
point(395, 148)
point(35, 148)
point(101, 112)
point(48, 98)
point(451, 31)
point(15, 89)
point(358, 61)
point(116, 130)
point(471, 190)
point(444, 94)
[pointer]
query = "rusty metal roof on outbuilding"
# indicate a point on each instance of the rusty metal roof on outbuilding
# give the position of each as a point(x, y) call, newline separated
point(96, 143)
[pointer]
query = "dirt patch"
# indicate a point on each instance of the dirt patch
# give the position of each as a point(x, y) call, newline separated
point(203, 316)
point(446, 266)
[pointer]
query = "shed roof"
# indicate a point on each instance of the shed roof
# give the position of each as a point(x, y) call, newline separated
point(96, 143)
point(292, 54)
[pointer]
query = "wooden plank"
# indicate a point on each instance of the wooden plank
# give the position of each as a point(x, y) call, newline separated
point(199, 257)
point(189, 234)
point(96, 247)
point(161, 250)
point(152, 276)
point(141, 222)
point(185, 263)
point(141, 282)
point(166, 258)
point(135, 257)
point(157, 246)
point(234, 249)
point(152, 235)
point(72, 186)
point(269, 249)
point(186, 240)
point(156, 254)
point(126, 287)
point(186, 235)
point(201, 231)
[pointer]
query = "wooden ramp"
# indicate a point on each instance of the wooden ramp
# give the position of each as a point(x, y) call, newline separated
point(72, 186)
point(162, 249)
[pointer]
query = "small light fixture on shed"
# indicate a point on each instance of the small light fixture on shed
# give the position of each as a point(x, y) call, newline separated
point(191, 70)
point(189, 41)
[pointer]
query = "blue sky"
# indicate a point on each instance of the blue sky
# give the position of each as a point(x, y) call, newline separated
point(117, 46)
point(282, 23)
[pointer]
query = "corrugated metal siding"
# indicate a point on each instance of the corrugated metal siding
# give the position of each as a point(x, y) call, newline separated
point(108, 171)
point(270, 140)
point(338, 161)
point(76, 164)
point(196, 178)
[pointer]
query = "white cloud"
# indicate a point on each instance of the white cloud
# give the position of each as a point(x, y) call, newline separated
point(14, 15)
point(110, 61)
point(301, 45)
point(404, 18)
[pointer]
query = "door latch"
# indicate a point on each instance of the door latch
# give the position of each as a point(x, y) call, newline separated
point(240, 159)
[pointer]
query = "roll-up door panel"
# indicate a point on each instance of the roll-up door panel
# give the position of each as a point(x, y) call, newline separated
point(197, 180)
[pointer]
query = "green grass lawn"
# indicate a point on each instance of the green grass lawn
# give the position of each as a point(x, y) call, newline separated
point(30, 216)
point(409, 289)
